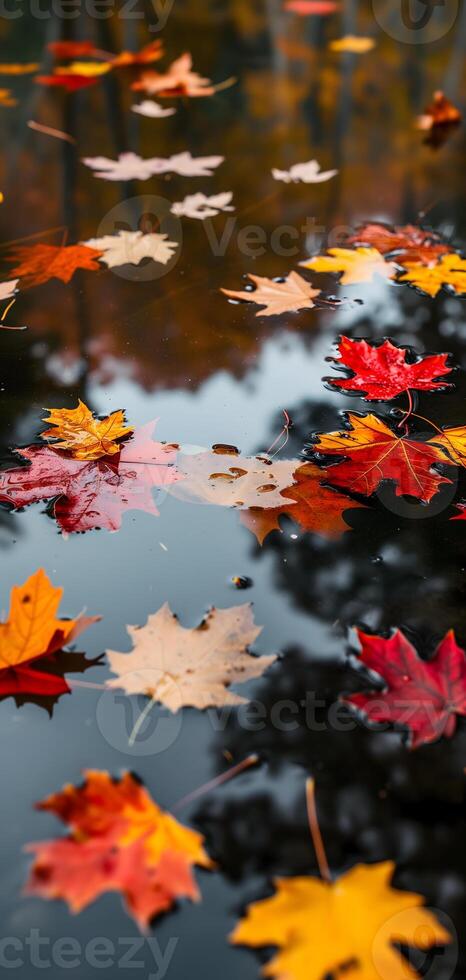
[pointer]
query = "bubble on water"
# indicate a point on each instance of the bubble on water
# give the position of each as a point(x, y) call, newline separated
point(241, 581)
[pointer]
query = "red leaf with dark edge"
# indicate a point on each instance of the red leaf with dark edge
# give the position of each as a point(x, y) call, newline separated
point(423, 696)
point(382, 372)
point(376, 453)
point(410, 242)
point(93, 494)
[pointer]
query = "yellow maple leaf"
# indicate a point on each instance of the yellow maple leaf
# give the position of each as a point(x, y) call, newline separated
point(352, 43)
point(84, 436)
point(356, 264)
point(454, 441)
point(449, 271)
point(87, 68)
point(354, 922)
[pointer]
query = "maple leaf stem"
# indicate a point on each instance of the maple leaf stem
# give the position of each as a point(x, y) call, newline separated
point(140, 721)
point(251, 760)
point(315, 831)
point(284, 431)
point(423, 419)
point(407, 414)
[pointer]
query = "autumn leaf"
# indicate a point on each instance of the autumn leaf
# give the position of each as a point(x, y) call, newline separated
point(353, 44)
point(179, 79)
point(8, 289)
point(316, 508)
point(357, 265)
point(120, 840)
point(7, 98)
point(130, 166)
point(312, 8)
point(381, 372)
point(132, 247)
point(180, 667)
point(199, 206)
point(440, 112)
point(70, 81)
point(71, 49)
point(85, 69)
point(376, 453)
point(83, 436)
point(39, 263)
point(149, 53)
point(152, 109)
point(453, 440)
point(229, 479)
point(352, 926)
point(450, 271)
point(32, 631)
point(277, 296)
point(409, 242)
point(18, 69)
point(308, 173)
point(423, 696)
point(96, 493)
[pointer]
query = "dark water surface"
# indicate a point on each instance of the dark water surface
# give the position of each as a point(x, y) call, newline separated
point(172, 347)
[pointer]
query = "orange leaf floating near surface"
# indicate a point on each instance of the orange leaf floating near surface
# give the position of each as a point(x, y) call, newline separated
point(18, 69)
point(7, 99)
point(32, 631)
point(39, 263)
point(409, 242)
point(180, 667)
point(349, 927)
point(179, 79)
point(449, 271)
point(149, 53)
point(423, 696)
point(352, 44)
point(70, 81)
point(440, 112)
point(357, 265)
point(316, 508)
point(376, 453)
point(382, 371)
point(83, 436)
point(71, 49)
point(454, 441)
point(120, 840)
point(291, 294)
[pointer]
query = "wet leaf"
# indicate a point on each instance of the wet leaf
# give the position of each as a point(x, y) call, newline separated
point(381, 372)
point(32, 631)
point(423, 696)
point(308, 173)
point(316, 508)
point(453, 440)
point(131, 247)
point(152, 109)
point(120, 840)
point(347, 926)
point(312, 8)
point(130, 166)
point(39, 263)
point(149, 53)
point(96, 493)
point(409, 242)
point(357, 265)
point(440, 112)
point(376, 453)
point(71, 49)
point(181, 667)
point(83, 436)
point(450, 271)
point(18, 69)
point(179, 79)
point(353, 44)
point(292, 293)
point(200, 206)
point(230, 479)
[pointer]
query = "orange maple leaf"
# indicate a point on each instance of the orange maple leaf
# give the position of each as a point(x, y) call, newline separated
point(84, 436)
point(179, 79)
point(120, 841)
point(291, 294)
point(39, 263)
point(449, 271)
point(32, 631)
point(351, 924)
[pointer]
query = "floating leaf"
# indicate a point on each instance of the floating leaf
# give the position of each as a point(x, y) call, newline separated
point(381, 372)
point(179, 79)
point(200, 206)
point(39, 263)
point(450, 271)
point(289, 294)
point(357, 265)
point(131, 247)
point(308, 173)
point(83, 436)
point(130, 166)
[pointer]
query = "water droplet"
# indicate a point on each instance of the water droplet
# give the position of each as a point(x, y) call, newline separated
point(377, 560)
point(224, 448)
point(267, 488)
point(241, 581)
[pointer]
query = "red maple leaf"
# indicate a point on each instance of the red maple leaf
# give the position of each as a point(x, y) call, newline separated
point(92, 494)
point(423, 696)
point(410, 242)
point(376, 453)
point(382, 372)
point(69, 81)
point(316, 8)
point(71, 49)
point(39, 263)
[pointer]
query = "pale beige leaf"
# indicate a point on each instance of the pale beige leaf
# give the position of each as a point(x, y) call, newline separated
point(181, 667)
point(133, 246)
point(152, 109)
point(130, 166)
point(230, 479)
point(292, 293)
point(200, 206)
point(308, 173)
